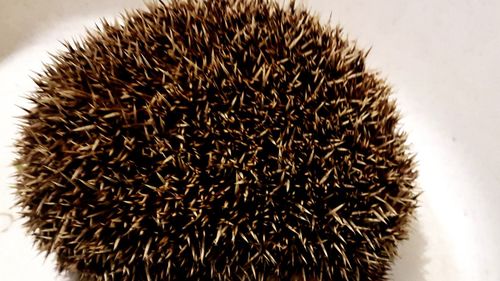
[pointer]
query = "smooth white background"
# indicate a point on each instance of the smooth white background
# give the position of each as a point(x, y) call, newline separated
point(442, 58)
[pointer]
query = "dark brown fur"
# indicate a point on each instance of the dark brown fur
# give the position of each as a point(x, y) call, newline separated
point(215, 140)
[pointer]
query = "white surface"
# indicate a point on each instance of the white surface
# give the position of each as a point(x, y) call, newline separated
point(442, 58)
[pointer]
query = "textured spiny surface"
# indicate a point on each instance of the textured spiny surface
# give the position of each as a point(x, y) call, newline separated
point(223, 140)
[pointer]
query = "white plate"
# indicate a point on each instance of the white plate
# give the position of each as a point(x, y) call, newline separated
point(442, 57)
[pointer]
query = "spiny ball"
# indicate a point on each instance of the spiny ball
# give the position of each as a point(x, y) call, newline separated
point(215, 140)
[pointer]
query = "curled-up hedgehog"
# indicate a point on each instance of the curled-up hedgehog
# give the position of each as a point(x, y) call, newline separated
point(215, 140)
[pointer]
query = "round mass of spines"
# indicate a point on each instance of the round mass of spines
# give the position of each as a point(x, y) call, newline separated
point(215, 140)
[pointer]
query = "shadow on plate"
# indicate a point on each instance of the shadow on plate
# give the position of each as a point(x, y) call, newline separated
point(410, 265)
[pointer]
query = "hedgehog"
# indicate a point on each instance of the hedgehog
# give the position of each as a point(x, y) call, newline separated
point(215, 140)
